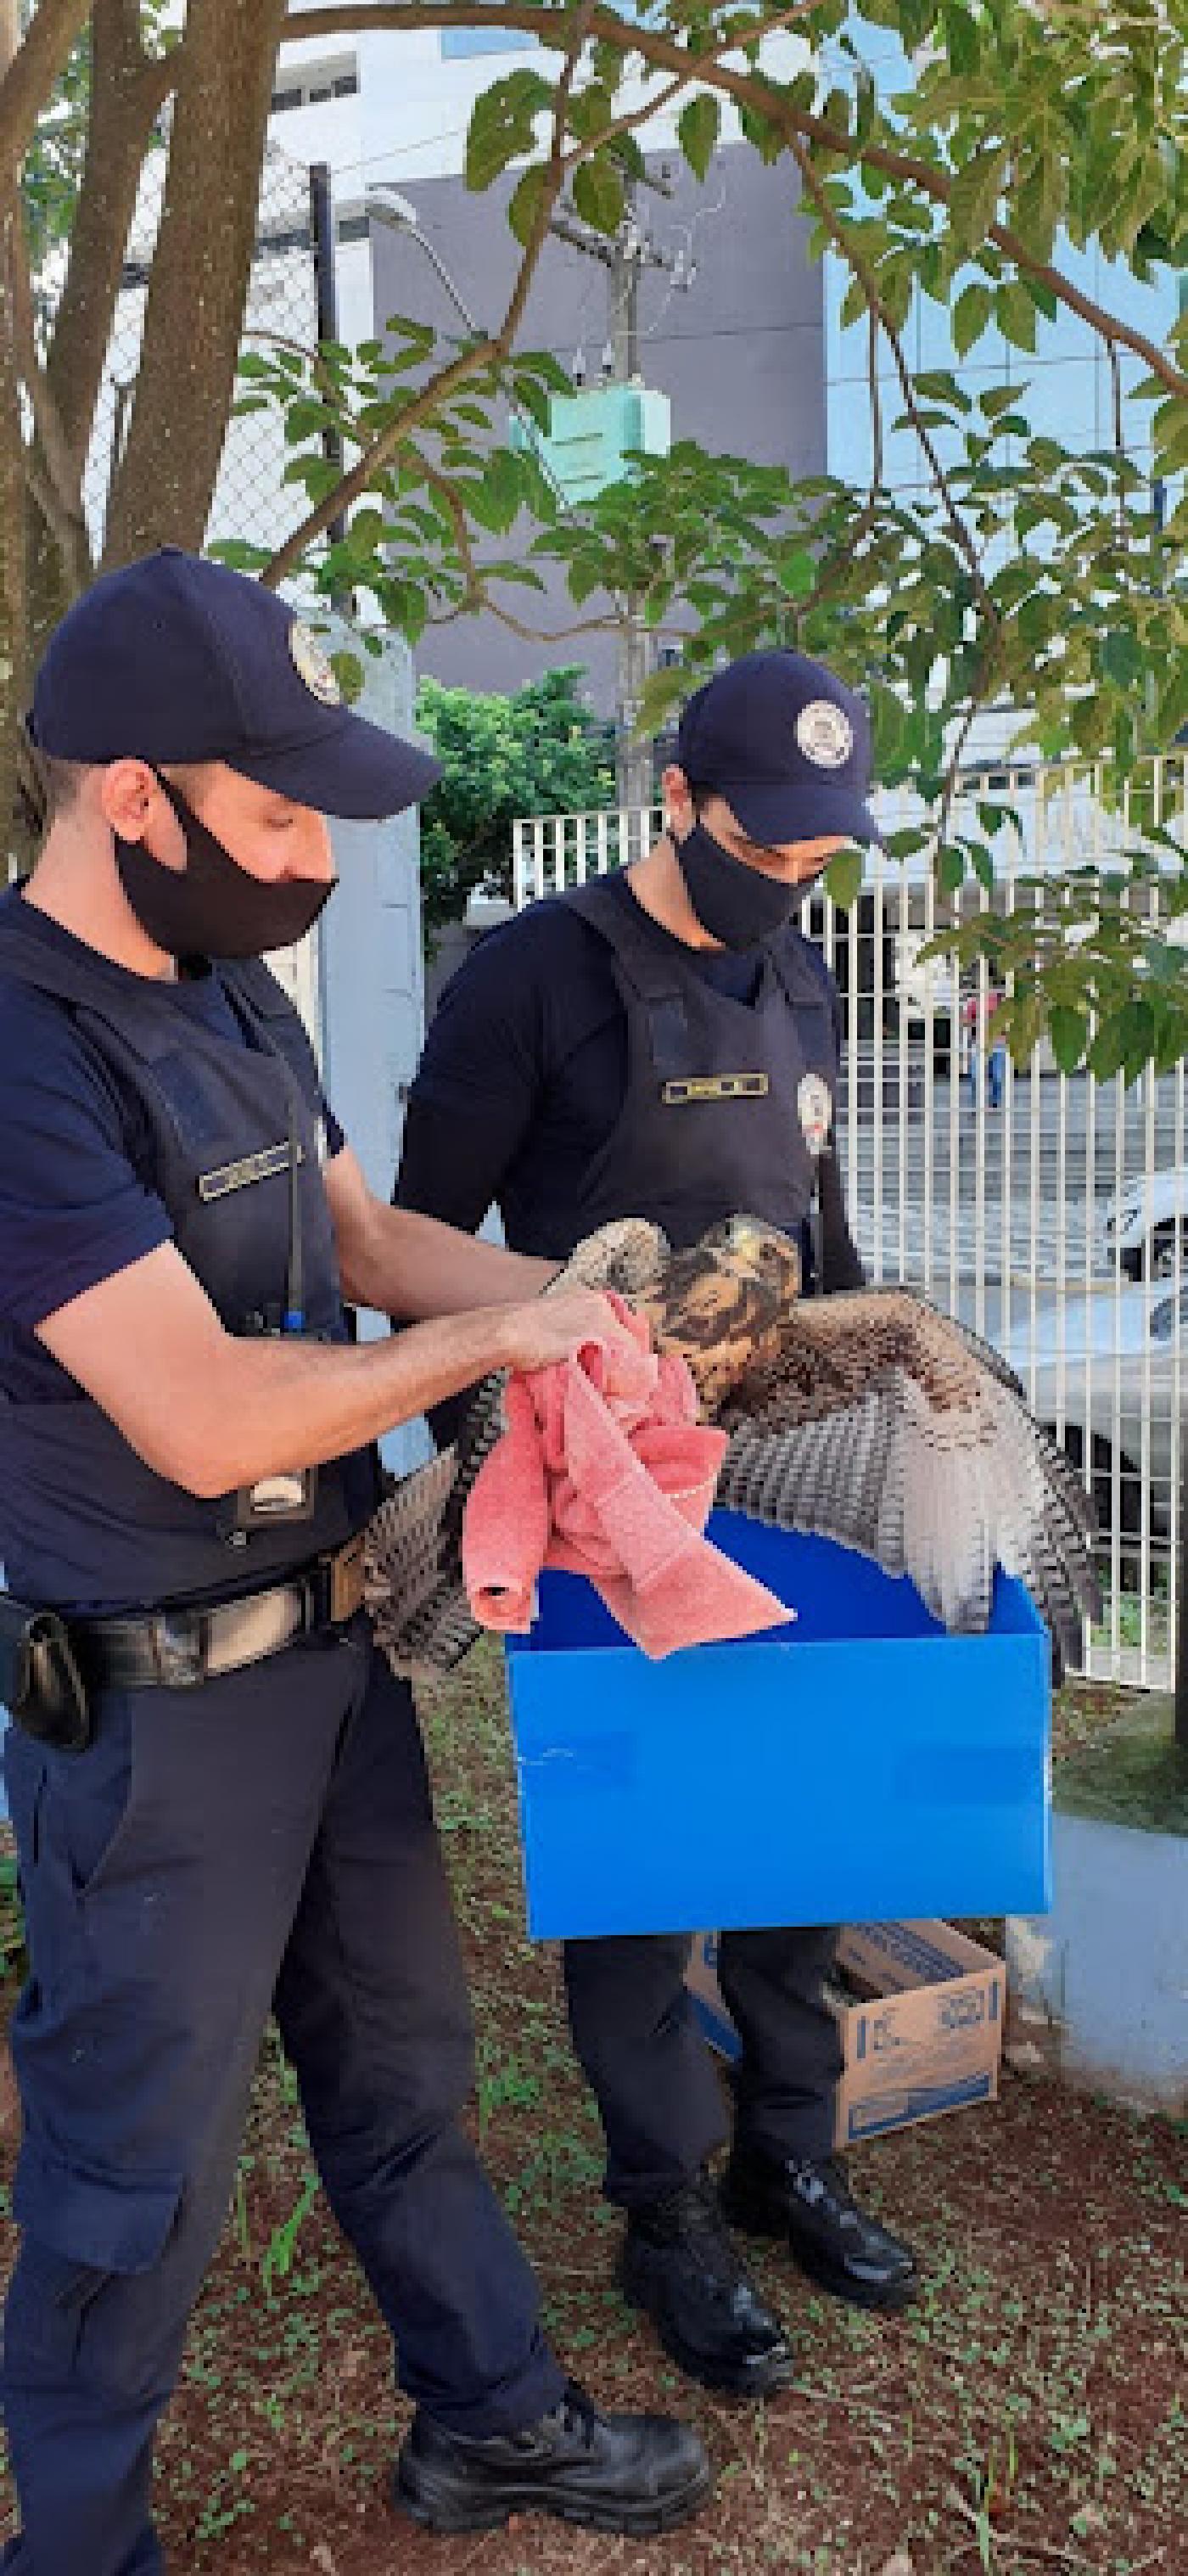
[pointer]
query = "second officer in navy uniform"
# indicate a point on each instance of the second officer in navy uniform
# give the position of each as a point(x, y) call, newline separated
point(664, 1043)
point(217, 1787)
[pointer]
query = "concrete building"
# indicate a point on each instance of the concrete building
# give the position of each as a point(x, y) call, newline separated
point(739, 351)
point(753, 356)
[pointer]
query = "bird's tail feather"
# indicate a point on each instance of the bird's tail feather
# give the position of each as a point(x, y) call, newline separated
point(415, 1594)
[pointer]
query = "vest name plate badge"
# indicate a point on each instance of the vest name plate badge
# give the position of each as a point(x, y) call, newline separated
point(251, 1167)
point(716, 1086)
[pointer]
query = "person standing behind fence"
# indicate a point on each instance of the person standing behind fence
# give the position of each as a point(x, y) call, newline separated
point(979, 1012)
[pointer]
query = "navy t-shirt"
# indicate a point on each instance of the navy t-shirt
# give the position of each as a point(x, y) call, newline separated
point(524, 1071)
point(76, 1198)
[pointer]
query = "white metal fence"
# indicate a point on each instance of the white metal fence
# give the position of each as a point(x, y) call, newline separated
point(1008, 1209)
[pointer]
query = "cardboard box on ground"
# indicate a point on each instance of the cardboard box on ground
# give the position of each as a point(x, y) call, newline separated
point(924, 2035)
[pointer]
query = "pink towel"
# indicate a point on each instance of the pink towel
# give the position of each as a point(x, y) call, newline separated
point(604, 1470)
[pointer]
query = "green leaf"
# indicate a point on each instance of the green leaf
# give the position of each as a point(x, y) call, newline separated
point(1069, 1031)
point(697, 129)
point(241, 556)
point(971, 316)
point(318, 477)
point(973, 201)
point(532, 398)
point(503, 124)
point(1016, 314)
point(843, 878)
point(939, 384)
point(765, 137)
point(1108, 1050)
point(503, 490)
point(306, 418)
point(598, 194)
point(961, 40)
point(796, 572)
point(660, 693)
point(1173, 701)
point(997, 399)
point(523, 202)
point(950, 869)
point(1121, 657)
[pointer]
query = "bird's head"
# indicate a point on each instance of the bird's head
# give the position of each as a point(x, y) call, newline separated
point(722, 1304)
point(758, 1252)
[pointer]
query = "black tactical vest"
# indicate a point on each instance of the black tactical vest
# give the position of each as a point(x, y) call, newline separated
point(722, 1096)
point(85, 1525)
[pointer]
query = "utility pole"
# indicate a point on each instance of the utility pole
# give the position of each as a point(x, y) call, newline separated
point(321, 213)
point(625, 259)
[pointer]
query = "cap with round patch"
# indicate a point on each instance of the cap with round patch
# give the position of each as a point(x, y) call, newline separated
point(825, 734)
point(787, 745)
point(176, 659)
point(313, 664)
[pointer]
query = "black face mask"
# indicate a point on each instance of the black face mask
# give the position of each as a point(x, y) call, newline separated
point(212, 907)
point(738, 905)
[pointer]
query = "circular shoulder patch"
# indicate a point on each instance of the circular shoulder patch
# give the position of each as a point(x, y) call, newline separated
point(825, 734)
point(313, 664)
point(814, 1104)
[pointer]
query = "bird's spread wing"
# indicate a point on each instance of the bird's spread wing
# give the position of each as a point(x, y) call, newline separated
point(886, 1426)
point(868, 1418)
point(415, 1592)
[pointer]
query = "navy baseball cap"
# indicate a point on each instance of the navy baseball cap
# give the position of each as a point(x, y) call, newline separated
point(175, 659)
point(788, 746)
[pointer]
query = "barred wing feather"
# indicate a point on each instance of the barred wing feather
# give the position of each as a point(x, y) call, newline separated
point(886, 1426)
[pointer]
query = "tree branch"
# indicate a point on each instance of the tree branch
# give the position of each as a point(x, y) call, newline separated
point(30, 76)
point(747, 89)
point(483, 353)
point(661, 98)
point(837, 234)
point(57, 490)
point(476, 593)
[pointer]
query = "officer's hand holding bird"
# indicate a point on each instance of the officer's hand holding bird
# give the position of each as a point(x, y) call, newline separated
point(866, 1417)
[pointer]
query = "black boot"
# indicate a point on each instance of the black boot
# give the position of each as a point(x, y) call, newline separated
point(633, 2473)
point(679, 2264)
point(808, 2200)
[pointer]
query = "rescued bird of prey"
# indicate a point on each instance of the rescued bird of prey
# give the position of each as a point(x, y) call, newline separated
point(866, 1417)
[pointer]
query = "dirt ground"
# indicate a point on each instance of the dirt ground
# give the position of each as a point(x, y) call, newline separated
point(1030, 2413)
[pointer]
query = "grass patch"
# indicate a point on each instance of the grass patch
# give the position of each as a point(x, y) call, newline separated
point(1132, 1773)
point(1027, 2416)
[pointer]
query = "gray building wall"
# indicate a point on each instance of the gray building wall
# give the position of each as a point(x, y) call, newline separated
point(741, 355)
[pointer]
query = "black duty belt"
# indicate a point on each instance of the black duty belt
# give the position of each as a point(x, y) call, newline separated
point(179, 1648)
point(51, 1667)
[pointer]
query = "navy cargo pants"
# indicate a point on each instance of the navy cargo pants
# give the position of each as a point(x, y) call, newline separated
point(637, 2037)
point(266, 1840)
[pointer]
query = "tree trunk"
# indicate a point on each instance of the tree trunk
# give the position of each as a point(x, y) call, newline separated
point(28, 72)
point(127, 91)
point(165, 482)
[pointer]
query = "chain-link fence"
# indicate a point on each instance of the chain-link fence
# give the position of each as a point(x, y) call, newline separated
point(252, 500)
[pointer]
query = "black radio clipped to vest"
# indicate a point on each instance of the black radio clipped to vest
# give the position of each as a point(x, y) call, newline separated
point(291, 1495)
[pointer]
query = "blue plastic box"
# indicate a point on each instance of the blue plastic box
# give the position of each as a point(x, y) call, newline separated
point(859, 1766)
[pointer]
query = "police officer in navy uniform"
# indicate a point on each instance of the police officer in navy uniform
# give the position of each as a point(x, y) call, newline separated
point(664, 1043)
point(217, 1787)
